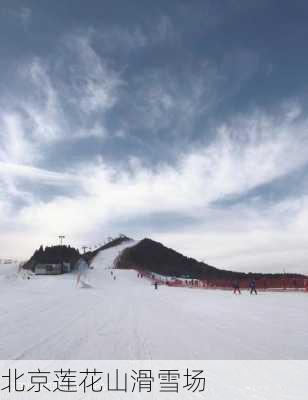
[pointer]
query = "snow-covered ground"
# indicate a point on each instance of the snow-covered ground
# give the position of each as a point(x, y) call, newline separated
point(50, 317)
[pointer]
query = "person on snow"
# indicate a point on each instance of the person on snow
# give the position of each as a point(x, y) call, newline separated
point(236, 287)
point(82, 266)
point(155, 285)
point(253, 287)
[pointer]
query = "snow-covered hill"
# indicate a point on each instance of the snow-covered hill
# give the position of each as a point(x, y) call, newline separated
point(106, 258)
point(51, 317)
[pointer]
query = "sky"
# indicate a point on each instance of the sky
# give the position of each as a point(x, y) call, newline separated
point(182, 121)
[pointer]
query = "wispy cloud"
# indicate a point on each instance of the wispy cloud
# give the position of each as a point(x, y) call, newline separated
point(249, 238)
point(72, 110)
point(94, 84)
point(60, 101)
point(247, 152)
point(23, 14)
point(15, 145)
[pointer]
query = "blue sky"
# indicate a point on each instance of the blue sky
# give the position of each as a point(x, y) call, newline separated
point(181, 121)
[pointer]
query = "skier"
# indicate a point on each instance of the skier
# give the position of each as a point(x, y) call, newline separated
point(236, 287)
point(155, 285)
point(82, 266)
point(253, 287)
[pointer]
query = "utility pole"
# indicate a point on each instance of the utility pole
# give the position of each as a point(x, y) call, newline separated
point(61, 237)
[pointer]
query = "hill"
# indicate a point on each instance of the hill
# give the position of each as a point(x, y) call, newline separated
point(149, 255)
point(112, 243)
point(59, 254)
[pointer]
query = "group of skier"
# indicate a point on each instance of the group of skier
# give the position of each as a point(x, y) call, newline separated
point(236, 284)
point(252, 287)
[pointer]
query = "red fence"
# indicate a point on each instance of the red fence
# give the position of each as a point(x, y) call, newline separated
point(262, 283)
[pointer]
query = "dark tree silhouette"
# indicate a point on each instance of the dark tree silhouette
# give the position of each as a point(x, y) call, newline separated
point(53, 255)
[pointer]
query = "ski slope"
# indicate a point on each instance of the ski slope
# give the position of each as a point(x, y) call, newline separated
point(51, 317)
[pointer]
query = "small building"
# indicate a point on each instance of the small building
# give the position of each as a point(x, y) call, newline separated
point(66, 267)
point(52, 269)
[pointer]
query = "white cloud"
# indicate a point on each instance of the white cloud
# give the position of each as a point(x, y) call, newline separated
point(269, 238)
point(15, 144)
point(94, 83)
point(247, 152)
point(163, 103)
point(38, 175)
point(44, 111)
point(39, 116)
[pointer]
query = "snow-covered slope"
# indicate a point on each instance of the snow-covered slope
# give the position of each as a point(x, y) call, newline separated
point(49, 317)
point(105, 259)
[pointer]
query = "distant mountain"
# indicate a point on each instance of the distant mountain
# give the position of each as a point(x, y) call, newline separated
point(152, 256)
